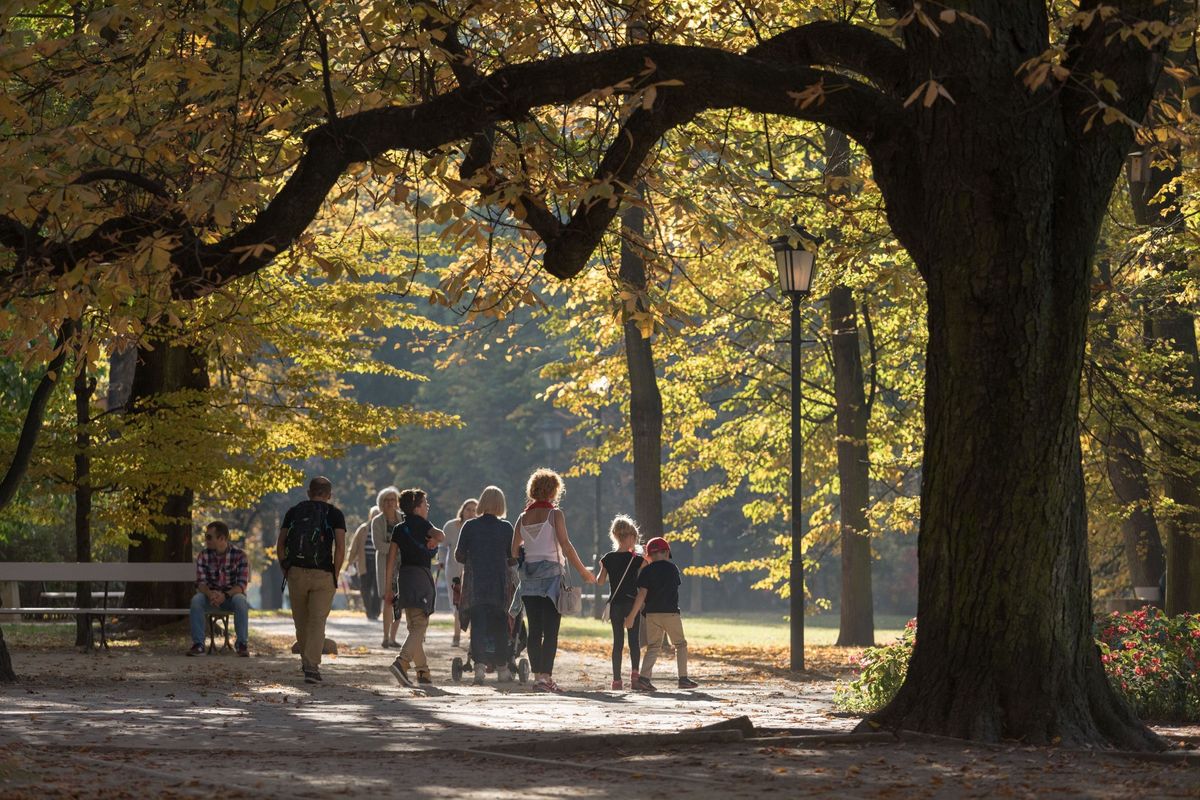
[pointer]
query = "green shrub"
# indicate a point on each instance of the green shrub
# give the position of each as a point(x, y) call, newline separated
point(881, 671)
point(1149, 658)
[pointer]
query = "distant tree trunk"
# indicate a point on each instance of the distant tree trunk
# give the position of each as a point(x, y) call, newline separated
point(7, 675)
point(1177, 329)
point(85, 387)
point(857, 626)
point(696, 601)
point(1155, 202)
point(1125, 465)
point(857, 606)
point(164, 369)
point(645, 401)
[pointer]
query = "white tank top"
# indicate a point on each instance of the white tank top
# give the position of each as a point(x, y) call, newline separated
point(539, 541)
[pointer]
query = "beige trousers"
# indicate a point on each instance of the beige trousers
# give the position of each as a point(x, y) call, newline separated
point(655, 629)
point(311, 591)
point(413, 649)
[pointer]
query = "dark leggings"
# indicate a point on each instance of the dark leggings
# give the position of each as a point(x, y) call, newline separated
point(544, 620)
point(617, 614)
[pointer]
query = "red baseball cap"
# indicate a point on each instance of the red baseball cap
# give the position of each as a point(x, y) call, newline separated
point(657, 544)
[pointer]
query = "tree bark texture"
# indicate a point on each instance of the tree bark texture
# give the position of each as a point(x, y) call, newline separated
point(1003, 228)
point(165, 368)
point(857, 624)
point(85, 387)
point(7, 674)
point(645, 401)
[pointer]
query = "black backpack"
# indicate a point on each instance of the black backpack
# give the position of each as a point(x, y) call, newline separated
point(309, 539)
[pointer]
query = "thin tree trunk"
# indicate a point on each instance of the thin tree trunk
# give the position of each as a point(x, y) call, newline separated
point(164, 369)
point(85, 387)
point(1155, 202)
point(857, 626)
point(857, 606)
point(7, 675)
point(1125, 466)
point(645, 401)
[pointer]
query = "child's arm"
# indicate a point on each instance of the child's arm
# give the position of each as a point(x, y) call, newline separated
point(637, 606)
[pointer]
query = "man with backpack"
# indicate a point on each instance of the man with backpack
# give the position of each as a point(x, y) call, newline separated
point(311, 548)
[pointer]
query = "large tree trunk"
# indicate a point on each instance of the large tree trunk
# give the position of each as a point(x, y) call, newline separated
point(1001, 215)
point(645, 401)
point(857, 626)
point(85, 387)
point(164, 369)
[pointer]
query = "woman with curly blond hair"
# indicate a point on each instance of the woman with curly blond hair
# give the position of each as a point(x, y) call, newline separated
point(542, 530)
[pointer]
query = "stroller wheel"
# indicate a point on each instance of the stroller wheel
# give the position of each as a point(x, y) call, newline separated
point(456, 669)
point(523, 670)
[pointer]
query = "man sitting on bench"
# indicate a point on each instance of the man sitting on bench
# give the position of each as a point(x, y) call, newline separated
point(222, 573)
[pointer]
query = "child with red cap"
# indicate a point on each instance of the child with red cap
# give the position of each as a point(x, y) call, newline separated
point(658, 593)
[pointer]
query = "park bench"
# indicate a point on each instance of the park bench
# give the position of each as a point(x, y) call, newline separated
point(107, 573)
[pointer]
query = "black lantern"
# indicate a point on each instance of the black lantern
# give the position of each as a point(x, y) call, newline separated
point(796, 258)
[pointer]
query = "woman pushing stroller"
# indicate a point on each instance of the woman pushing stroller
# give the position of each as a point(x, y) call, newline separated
point(487, 585)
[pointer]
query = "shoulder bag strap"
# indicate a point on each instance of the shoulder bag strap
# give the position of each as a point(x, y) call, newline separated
point(617, 588)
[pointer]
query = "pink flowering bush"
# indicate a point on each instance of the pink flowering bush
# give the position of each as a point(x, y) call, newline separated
point(1149, 658)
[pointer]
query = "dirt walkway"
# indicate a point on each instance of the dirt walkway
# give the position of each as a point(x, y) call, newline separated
point(146, 721)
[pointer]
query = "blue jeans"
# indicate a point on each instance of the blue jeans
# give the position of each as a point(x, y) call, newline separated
point(237, 604)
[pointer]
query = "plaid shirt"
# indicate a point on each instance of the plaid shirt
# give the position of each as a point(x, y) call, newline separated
point(223, 570)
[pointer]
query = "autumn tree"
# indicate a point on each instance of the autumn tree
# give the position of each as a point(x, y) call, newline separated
point(995, 131)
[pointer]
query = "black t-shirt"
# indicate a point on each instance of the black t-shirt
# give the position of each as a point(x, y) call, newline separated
point(615, 564)
point(334, 518)
point(661, 581)
point(409, 535)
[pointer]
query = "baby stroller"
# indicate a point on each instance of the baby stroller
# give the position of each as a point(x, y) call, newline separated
point(511, 631)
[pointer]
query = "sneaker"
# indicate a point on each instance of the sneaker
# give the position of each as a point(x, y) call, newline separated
point(424, 679)
point(687, 683)
point(633, 678)
point(312, 675)
point(480, 675)
point(543, 686)
point(455, 642)
point(243, 651)
point(197, 650)
point(399, 668)
point(643, 684)
point(616, 684)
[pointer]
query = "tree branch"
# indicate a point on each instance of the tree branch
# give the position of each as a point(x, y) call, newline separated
point(34, 416)
point(844, 46)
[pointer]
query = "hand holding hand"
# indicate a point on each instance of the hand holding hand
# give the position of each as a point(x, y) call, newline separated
point(629, 622)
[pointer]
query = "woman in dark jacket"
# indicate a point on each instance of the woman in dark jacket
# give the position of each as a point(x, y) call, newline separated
point(483, 550)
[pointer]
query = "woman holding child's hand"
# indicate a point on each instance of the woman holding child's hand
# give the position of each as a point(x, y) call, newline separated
point(542, 530)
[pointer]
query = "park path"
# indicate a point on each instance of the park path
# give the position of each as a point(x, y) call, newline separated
point(127, 698)
point(140, 722)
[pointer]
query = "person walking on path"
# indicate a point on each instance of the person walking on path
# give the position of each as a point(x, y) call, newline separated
point(451, 567)
point(622, 566)
point(658, 593)
point(311, 549)
point(414, 543)
point(222, 575)
point(388, 501)
point(483, 551)
point(542, 530)
point(362, 556)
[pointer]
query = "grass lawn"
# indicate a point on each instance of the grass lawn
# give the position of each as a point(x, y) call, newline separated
point(746, 629)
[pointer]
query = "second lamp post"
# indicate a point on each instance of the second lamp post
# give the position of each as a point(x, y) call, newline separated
point(796, 258)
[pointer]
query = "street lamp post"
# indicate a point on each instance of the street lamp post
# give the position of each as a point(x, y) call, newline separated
point(796, 257)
